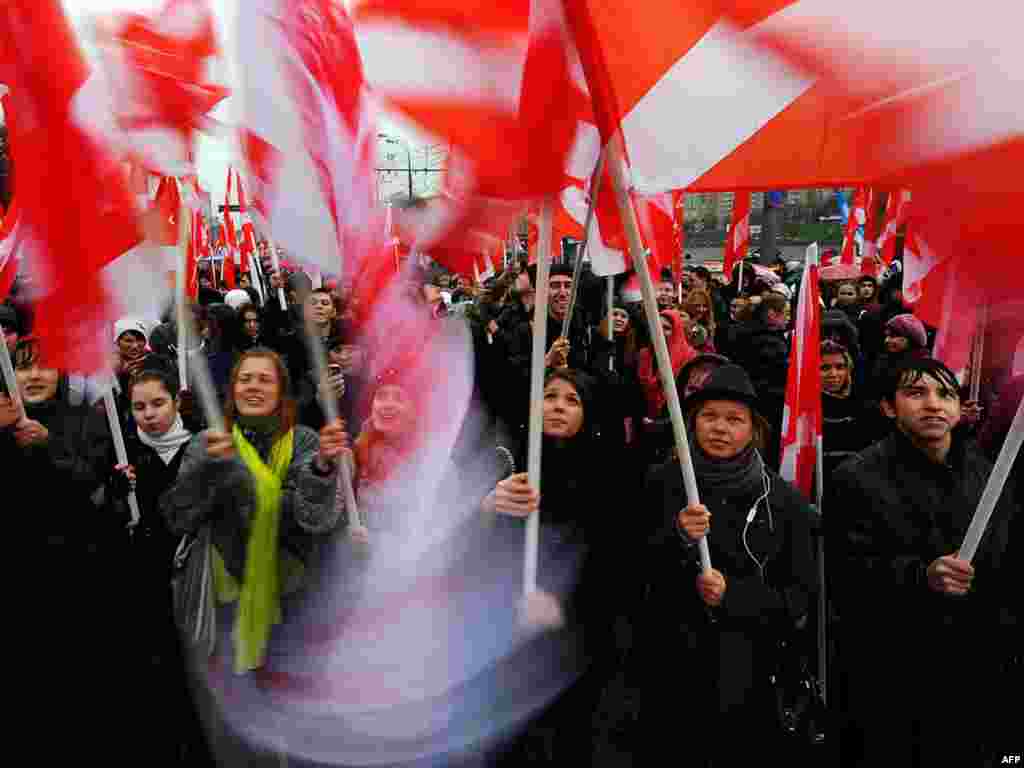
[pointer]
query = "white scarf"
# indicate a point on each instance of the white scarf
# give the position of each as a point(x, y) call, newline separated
point(167, 444)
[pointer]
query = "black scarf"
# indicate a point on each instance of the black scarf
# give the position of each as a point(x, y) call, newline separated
point(740, 475)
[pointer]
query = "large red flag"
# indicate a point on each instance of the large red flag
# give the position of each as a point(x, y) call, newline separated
point(801, 419)
point(737, 242)
point(230, 237)
point(77, 210)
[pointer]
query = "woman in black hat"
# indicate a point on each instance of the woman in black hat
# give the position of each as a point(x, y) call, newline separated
point(709, 639)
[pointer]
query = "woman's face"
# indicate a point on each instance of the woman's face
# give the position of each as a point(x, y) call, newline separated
point(153, 408)
point(319, 309)
point(36, 385)
point(895, 344)
point(131, 345)
point(392, 410)
point(867, 291)
point(563, 409)
point(251, 321)
point(620, 321)
point(847, 295)
point(724, 428)
point(257, 388)
point(835, 373)
point(348, 356)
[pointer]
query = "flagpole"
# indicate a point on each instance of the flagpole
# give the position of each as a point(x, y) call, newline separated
point(119, 449)
point(979, 353)
point(668, 380)
point(994, 487)
point(819, 473)
point(610, 282)
point(595, 188)
point(10, 380)
point(180, 296)
point(540, 326)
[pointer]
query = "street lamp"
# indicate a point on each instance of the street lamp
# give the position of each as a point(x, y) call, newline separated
point(408, 156)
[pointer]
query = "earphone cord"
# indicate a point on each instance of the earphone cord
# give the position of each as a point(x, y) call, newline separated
point(766, 490)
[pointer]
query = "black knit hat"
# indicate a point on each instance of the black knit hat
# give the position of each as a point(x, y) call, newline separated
point(728, 382)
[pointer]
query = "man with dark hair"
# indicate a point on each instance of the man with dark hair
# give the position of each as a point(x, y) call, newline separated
point(666, 290)
point(924, 632)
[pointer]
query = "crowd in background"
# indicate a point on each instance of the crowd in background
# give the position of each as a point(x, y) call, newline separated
point(671, 657)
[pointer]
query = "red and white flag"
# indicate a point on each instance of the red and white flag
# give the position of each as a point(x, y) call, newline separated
point(801, 417)
point(897, 210)
point(307, 129)
point(76, 208)
point(737, 242)
point(156, 69)
point(856, 219)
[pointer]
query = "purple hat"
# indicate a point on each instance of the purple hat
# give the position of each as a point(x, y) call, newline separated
point(910, 328)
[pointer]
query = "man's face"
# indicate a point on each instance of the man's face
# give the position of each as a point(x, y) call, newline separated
point(925, 410)
point(666, 295)
point(560, 287)
point(525, 290)
point(131, 345)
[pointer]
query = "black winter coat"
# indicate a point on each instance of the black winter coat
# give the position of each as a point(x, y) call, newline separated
point(891, 512)
point(695, 664)
point(849, 425)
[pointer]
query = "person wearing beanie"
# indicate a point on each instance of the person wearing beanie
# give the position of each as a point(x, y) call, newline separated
point(759, 590)
point(905, 340)
point(237, 298)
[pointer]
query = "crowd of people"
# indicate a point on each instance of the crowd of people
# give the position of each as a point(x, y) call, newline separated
point(667, 657)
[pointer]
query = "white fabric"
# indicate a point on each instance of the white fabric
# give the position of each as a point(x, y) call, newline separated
point(167, 444)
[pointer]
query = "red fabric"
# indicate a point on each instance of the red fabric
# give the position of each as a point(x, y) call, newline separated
point(897, 210)
point(801, 421)
point(74, 199)
point(171, 66)
point(737, 242)
point(857, 218)
point(191, 259)
point(502, 150)
point(680, 353)
point(9, 256)
point(166, 208)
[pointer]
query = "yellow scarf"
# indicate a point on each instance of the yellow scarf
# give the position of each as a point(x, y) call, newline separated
point(259, 605)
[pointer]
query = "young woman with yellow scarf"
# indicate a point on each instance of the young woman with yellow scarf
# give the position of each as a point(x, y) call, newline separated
point(266, 488)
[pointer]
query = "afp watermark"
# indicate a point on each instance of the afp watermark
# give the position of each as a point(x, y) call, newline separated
point(1012, 758)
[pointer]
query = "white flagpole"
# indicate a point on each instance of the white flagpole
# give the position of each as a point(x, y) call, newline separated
point(180, 298)
point(979, 353)
point(9, 379)
point(540, 326)
point(119, 449)
point(668, 380)
point(994, 487)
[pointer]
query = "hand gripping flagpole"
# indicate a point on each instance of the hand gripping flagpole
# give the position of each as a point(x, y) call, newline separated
point(534, 443)
point(994, 487)
point(330, 406)
point(668, 380)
